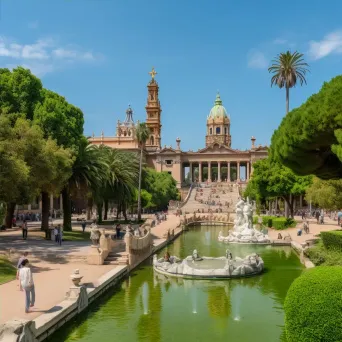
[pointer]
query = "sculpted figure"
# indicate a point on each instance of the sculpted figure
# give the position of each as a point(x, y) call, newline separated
point(94, 234)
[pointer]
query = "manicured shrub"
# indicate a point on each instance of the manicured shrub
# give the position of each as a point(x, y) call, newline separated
point(275, 222)
point(313, 306)
point(332, 239)
point(320, 255)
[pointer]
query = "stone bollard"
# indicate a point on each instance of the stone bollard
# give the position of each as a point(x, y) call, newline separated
point(78, 292)
point(128, 241)
point(95, 256)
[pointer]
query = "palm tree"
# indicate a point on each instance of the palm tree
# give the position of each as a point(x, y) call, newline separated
point(142, 133)
point(287, 68)
point(88, 172)
point(122, 179)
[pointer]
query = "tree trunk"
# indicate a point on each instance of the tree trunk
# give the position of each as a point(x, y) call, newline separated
point(89, 208)
point(105, 209)
point(139, 190)
point(118, 210)
point(45, 212)
point(124, 211)
point(66, 209)
point(289, 206)
point(10, 207)
point(287, 99)
point(99, 210)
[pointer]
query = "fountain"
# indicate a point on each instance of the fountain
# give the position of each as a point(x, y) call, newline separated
point(198, 267)
point(243, 231)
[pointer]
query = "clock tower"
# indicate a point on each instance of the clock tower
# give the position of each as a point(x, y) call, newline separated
point(153, 114)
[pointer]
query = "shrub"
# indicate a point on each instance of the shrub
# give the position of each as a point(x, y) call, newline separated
point(332, 239)
point(313, 306)
point(278, 223)
point(320, 255)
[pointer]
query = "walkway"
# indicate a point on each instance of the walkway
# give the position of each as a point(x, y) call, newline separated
point(52, 266)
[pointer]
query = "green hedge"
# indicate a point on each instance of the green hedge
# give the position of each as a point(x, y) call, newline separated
point(320, 255)
point(332, 239)
point(278, 223)
point(313, 306)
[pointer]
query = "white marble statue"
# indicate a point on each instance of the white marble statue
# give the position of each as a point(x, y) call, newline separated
point(208, 267)
point(243, 231)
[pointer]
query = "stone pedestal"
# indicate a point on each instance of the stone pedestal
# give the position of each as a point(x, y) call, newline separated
point(95, 256)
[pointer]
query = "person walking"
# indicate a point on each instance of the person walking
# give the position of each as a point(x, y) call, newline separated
point(83, 225)
point(55, 233)
point(60, 235)
point(27, 285)
point(24, 228)
point(19, 264)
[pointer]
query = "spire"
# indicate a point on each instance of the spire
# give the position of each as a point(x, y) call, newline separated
point(218, 101)
point(129, 115)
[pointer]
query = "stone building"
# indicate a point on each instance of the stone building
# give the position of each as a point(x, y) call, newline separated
point(216, 162)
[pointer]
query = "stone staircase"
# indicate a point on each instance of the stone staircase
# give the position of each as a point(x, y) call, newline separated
point(208, 194)
point(114, 258)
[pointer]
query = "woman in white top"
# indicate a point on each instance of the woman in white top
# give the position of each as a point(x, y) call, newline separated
point(26, 284)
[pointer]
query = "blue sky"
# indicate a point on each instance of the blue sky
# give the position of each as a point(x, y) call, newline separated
point(97, 53)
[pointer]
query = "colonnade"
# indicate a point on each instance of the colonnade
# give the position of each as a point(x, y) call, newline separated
point(220, 171)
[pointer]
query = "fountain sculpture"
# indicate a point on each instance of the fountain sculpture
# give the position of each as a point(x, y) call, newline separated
point(194, 266)
point(243, 231)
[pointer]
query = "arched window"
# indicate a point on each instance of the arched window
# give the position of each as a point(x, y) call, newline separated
point(210, 131)
point(152, 140)
point(218, 130)
point(225, 130)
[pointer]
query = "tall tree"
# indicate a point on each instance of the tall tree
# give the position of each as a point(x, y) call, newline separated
point(309, 138)
point(89, 171)
point(271, 179)
point(287, 68)
point(64, 123)
point(142, 133)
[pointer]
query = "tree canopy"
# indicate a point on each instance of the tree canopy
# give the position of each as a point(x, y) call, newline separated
point(161, 186)
point(59, 119)
point(309, 138)
point(325, 194)
point(271, 179)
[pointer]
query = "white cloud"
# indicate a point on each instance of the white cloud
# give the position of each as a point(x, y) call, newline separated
point(33, 25)
point(256, 60)
point(42, 56)
point(331, 43)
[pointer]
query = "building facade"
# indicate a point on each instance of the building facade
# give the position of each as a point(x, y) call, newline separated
point(216, 162)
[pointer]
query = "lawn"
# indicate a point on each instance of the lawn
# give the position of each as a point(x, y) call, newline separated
point(7, 270)
point(321, 256)
point(76, 236)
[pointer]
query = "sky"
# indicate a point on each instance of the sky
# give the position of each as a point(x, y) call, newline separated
point(97, 54)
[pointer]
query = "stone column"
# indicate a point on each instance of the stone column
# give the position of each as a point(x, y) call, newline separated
point(247, 171)
point(209, 171)
point(301, 201)
point(228, 171)
point(238, 171)
point(219, 171)
point(191, 173)
point(29, 207)
point(200, 172)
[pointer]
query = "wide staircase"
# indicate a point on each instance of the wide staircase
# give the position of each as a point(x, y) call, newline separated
point(215, 197)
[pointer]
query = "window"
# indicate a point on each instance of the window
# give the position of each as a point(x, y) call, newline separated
point(168, 162)
point(218, 130)
point(225, 130)
point(152, 140)
point(210, 131)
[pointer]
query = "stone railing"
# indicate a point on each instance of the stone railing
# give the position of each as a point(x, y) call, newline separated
point(138, 248)
point(98, 253)
point(174, 205)
point(210, 218)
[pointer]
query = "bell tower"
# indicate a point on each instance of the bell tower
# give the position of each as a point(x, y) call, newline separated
point(153, 113)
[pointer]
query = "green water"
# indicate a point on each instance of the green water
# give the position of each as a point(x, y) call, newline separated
point(152, 308)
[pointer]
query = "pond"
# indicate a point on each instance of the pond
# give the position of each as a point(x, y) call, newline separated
point(152, 308)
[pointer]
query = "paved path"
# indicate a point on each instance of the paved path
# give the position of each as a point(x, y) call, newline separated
point(52, 266)
point(315, 229)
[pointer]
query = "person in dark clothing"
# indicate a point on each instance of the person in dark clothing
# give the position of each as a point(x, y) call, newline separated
point(118, 230)
point(83, 225)
point(24, 228)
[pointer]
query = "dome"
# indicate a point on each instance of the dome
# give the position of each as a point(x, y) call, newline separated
point(218, 111)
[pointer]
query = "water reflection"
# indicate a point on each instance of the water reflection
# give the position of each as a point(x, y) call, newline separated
point(151, 307)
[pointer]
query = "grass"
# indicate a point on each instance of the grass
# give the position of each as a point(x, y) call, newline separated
point(76, 236)
point(321, 256)
point(7, 270)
